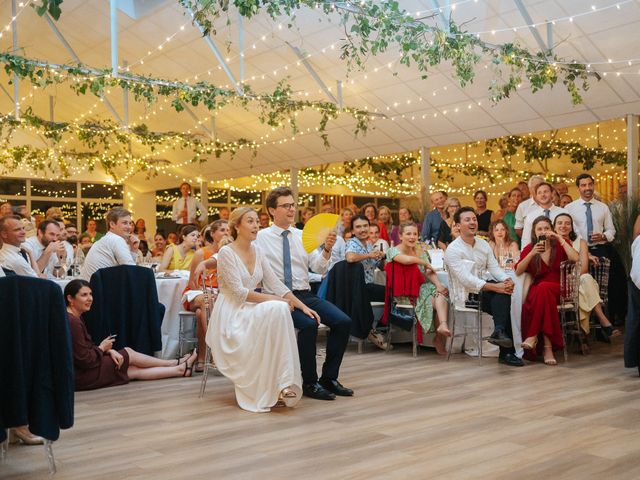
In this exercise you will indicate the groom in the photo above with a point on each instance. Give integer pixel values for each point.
(281, 245)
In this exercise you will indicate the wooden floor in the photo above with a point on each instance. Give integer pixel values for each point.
(410, 418)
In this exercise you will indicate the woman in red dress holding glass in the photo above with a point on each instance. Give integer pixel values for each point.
(542, 259)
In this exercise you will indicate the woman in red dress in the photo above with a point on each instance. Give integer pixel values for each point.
(542, 259)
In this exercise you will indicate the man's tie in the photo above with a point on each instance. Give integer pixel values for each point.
(185, 212)
(286, 260)
(547, 213)
(589, 221)
(25, 256)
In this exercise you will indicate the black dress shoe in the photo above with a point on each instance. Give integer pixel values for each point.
(336, 387)
(317, 391)
(500, 339)
(511, 359)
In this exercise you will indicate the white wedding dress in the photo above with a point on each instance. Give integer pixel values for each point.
(253, 344)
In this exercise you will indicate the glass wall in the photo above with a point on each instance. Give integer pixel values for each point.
(79, 201)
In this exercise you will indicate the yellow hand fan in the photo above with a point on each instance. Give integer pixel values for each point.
(316, 230)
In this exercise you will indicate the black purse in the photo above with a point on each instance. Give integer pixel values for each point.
(399, 317)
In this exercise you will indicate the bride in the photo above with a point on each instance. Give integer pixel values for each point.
(251, 334)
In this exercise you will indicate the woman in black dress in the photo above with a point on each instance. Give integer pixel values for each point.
(484, 215)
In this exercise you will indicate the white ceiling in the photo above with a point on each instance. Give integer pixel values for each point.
(432, 112)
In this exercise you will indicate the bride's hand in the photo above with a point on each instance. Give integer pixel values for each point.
(311, 313)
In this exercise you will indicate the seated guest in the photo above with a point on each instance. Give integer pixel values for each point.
(13, 255)
(264, 219)
(502, 203)
(63, 238)
(144, 249)
(172, 238)
(113, 249)
(503, 246)
(54, 213)
(360, 250)
(94, 235)
(513, 200)
(433, 219)
(343, 228)
(543, 207)
(251, 334)
(433, 294)
(542, 258)
(134, 246)
(386, 219)
(193, 296)
(140, 229)
(46, 247)
(496, 294)
(589, 299)
(307, 214)
(27, 220)
(102, 366)
(404, 216)
(159, 245)
(6, 209)
(451, 206)
(85, 243)
(178, 257)
(565, 200)
(370, 211)
(374, 239)
(484, 215)
(223, 214)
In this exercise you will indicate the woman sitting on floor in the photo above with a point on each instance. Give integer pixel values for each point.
(542, 259)
(251, 334)
(102, 366)
(433, 294)
(589, 291)
(178, 257)
(193, 296)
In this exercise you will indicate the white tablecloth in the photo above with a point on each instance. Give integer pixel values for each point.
(170, 295)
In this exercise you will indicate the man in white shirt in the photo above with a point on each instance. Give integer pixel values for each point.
(281, 245)
(592, 220)
(46, 247)
(185, 208)
(13, 256)
(496, 296)
(527, 203)
(113, 249)
(543, 193)
(68, 248)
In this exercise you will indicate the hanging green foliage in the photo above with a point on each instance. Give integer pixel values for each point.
(375, 27)
(276, 109)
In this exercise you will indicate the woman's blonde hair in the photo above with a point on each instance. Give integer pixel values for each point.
(234, 219)
(388, 210)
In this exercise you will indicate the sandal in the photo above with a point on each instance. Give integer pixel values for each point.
(530, 343)
(183, 359)
(609, 332)
(188, 367)
(286, 398)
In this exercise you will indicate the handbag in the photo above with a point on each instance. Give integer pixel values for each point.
(399, 317)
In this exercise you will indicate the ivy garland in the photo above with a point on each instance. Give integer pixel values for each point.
(373, 27)
(111, 141)
(276, 109)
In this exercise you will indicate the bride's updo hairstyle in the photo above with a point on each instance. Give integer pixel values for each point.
(234, 220)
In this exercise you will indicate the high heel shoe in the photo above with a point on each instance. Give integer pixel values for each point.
(552, 360)
(22, 434)
(530, 343)
(287, 398)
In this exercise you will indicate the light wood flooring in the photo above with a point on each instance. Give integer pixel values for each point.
(410, 419)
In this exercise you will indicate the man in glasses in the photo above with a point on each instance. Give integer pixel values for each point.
(281, 244)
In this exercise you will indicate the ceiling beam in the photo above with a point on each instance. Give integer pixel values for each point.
(444, 18)
(216, 52)
(313, 73)
(531, 24)
(68, 48)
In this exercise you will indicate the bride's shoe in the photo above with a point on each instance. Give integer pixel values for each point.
(530, 343)
(287, 398)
